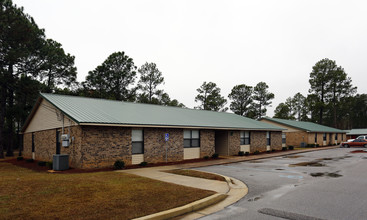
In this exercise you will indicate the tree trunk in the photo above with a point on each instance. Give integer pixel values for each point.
(322, 105)
(2, 117)
(9, 152)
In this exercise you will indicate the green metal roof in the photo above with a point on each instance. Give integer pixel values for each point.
(357, 131)
(100, 111)
(304, 125)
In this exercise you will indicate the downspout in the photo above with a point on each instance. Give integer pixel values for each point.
(62, 123)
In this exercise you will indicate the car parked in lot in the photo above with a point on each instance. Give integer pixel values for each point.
(355, 143)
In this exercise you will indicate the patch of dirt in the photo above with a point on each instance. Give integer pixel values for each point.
(308, 164)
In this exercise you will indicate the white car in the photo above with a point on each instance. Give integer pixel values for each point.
(362, 137)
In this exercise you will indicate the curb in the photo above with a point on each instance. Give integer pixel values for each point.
(191, 207)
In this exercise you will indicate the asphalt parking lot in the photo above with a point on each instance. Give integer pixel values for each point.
(327, 184)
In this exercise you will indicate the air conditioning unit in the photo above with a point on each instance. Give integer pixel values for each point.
(60, 162)
(303, 144)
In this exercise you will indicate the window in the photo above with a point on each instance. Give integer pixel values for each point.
(336, 137)
(245, 137)
(315, 137)
(283, 138)
(324, 137)
(268, 138)
(137, 137)
(191, 138)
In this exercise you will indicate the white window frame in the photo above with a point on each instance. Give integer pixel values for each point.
(137, 138)
(191, 138)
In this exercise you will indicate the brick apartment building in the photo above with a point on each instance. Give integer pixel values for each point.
(298, 133)
(98, 132)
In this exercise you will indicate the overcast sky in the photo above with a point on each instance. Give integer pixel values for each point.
(226, 42)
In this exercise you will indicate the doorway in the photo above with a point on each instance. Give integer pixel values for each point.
(221, 143)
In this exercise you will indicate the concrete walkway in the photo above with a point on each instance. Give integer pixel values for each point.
(228, 192)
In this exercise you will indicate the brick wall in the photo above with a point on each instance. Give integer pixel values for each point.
(155, 145)
(75, 149)
(234, 142)
(311, 138)
(207, 143)
(276, 140)
(296, 138)
(258, 141)
(102, 146)
(27, 145)
(45, 145)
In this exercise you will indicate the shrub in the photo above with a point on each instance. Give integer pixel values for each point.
(256, 152)
(272, 150)
(118, 165)
(290, 147)
(41, 163)
(215, 156)
(241, 153)
(143, 164)
(247, 153)
(49, 165)
(268, 151)
(284, 148)
(206, 157)
(20, 158)
(29, 160)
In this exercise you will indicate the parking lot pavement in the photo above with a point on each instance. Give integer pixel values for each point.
(328, 184)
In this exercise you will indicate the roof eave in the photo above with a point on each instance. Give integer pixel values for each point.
(307, 130)
(176, 126)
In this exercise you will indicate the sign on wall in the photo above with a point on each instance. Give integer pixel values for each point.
(166, 137)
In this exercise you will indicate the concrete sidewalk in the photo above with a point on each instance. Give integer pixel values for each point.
(228, 192)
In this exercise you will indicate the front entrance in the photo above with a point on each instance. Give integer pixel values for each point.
(221, 143)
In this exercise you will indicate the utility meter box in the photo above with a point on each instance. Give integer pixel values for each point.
(65, 140)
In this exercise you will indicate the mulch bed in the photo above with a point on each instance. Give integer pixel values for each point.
(358, 151)
(35, 167)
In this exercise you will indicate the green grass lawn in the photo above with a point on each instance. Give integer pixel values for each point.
(26, 194)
